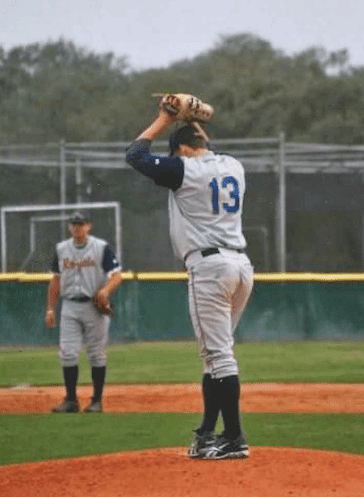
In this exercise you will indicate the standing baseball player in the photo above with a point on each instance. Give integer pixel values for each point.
(85, 274)
(205, 208)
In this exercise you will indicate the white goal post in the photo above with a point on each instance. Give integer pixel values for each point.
(62, 208)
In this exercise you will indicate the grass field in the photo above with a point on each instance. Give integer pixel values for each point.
(178, 362)
(37, 437)
(44, 436)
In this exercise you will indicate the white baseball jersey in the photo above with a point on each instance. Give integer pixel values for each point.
(83, 270)
(206, 210)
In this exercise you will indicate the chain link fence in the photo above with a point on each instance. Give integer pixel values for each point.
(303, 208)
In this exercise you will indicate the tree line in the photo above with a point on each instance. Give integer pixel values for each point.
(56, 90)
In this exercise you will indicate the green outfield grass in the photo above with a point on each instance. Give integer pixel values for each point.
(178, 362)
(39, 437)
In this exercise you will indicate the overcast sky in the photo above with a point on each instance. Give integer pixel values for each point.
(156, 33)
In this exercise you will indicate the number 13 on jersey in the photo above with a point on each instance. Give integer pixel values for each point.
(230, 184)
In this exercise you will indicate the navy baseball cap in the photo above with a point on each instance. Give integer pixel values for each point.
(80, 217)
(188, 135)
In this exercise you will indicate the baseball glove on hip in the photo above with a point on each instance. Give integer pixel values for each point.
(102, 304)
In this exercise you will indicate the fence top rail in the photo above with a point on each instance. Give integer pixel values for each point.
(23, 277)
(28, 146)
(50, 207)
(122, 144)
(315, 147)
(220, 141)
(165, 142)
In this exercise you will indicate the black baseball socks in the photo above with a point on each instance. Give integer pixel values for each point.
(221, 394)
(230, 409)
(211, 404)
(98, 378)
(70, 375)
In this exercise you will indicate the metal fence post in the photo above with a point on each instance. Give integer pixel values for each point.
(3, 242)
(62, 185)
(282, 256)
(79, 198)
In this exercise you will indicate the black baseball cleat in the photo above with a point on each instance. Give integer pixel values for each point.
(95, 406)
(67, 406)
(225, 448)
(200, 444)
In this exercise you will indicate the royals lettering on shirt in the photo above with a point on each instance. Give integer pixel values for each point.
(78, 263)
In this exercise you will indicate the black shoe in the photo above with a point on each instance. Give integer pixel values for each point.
(95, 406)
(228, 449)
(67, 406)
(201, 444)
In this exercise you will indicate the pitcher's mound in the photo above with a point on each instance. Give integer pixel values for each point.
(269, 472)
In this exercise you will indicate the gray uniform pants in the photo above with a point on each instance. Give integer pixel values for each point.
(82, 324)
(219, 288)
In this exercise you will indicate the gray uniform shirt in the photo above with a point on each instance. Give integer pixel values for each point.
(206, 210)
(83, 270)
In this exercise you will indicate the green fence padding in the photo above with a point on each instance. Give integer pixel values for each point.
(163, 310)
(153, 310)
(22, 308)
(22, 315)
(301, 311)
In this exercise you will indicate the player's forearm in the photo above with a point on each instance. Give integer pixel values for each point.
(53, 293)
(158, 126)
(112, 283)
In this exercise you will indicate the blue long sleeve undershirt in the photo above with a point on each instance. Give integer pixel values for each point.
(164, 171)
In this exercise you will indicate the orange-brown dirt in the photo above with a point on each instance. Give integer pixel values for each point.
(269, 472)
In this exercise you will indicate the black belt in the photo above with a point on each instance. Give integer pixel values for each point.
(80, 299)
(215, 250)
(209, 251)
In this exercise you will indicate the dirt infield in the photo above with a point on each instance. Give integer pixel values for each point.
(260, 397)
(273, 472)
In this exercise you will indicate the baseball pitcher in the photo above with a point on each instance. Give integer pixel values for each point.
(206, 192)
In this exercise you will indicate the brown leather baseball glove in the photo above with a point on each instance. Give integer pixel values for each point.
(185, 107)
(102, 304)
